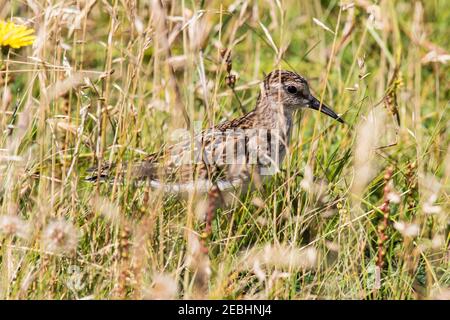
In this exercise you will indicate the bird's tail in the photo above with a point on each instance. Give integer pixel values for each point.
(104, 173)
(108, 172)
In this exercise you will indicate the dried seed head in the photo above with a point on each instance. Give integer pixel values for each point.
(429, 208)
(307, 182)
(440, 294)
(281, 256)
(376, 19)
(106, 208)
(434, 56)
(430, 189)
(12, 225)
(367, 140)
(200, 209)
(199, 263)
(195, 259)
(438, 241)
(333, 246)
(258, 202)
(258, 271)
(60, 236)
(410, 230)
(393, 197)
(261, 221)
(163, 287)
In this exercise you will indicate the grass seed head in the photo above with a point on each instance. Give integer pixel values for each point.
(281, 257)
(408, 230)
(13, 225)
(163, 287)
(60, 237)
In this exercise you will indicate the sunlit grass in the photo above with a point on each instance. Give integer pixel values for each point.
(109, 83)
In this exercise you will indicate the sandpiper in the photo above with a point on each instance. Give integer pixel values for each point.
(231, 154)
(228, 155)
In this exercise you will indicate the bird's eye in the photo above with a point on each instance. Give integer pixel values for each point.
(292, 89)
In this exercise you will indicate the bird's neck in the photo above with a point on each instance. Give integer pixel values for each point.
(273, 115)
(277, 119)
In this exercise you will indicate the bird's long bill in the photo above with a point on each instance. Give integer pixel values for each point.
(315, 104)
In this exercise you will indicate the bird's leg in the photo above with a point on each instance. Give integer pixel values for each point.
(213, 197)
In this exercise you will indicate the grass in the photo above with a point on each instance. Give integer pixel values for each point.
(112, 80)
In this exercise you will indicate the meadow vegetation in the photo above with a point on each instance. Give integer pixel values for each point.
(359, 211)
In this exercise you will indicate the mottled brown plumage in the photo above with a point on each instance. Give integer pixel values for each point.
(200, 162)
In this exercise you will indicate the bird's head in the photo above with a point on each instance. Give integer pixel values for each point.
(292, 91)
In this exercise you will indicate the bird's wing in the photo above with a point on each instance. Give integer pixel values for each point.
(201, 158)
(209, 157)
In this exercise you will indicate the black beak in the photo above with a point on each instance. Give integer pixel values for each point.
(315, 104)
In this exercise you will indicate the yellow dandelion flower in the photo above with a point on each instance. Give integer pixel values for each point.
(15, 36)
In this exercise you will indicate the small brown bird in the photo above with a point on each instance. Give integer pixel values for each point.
(229, 154)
